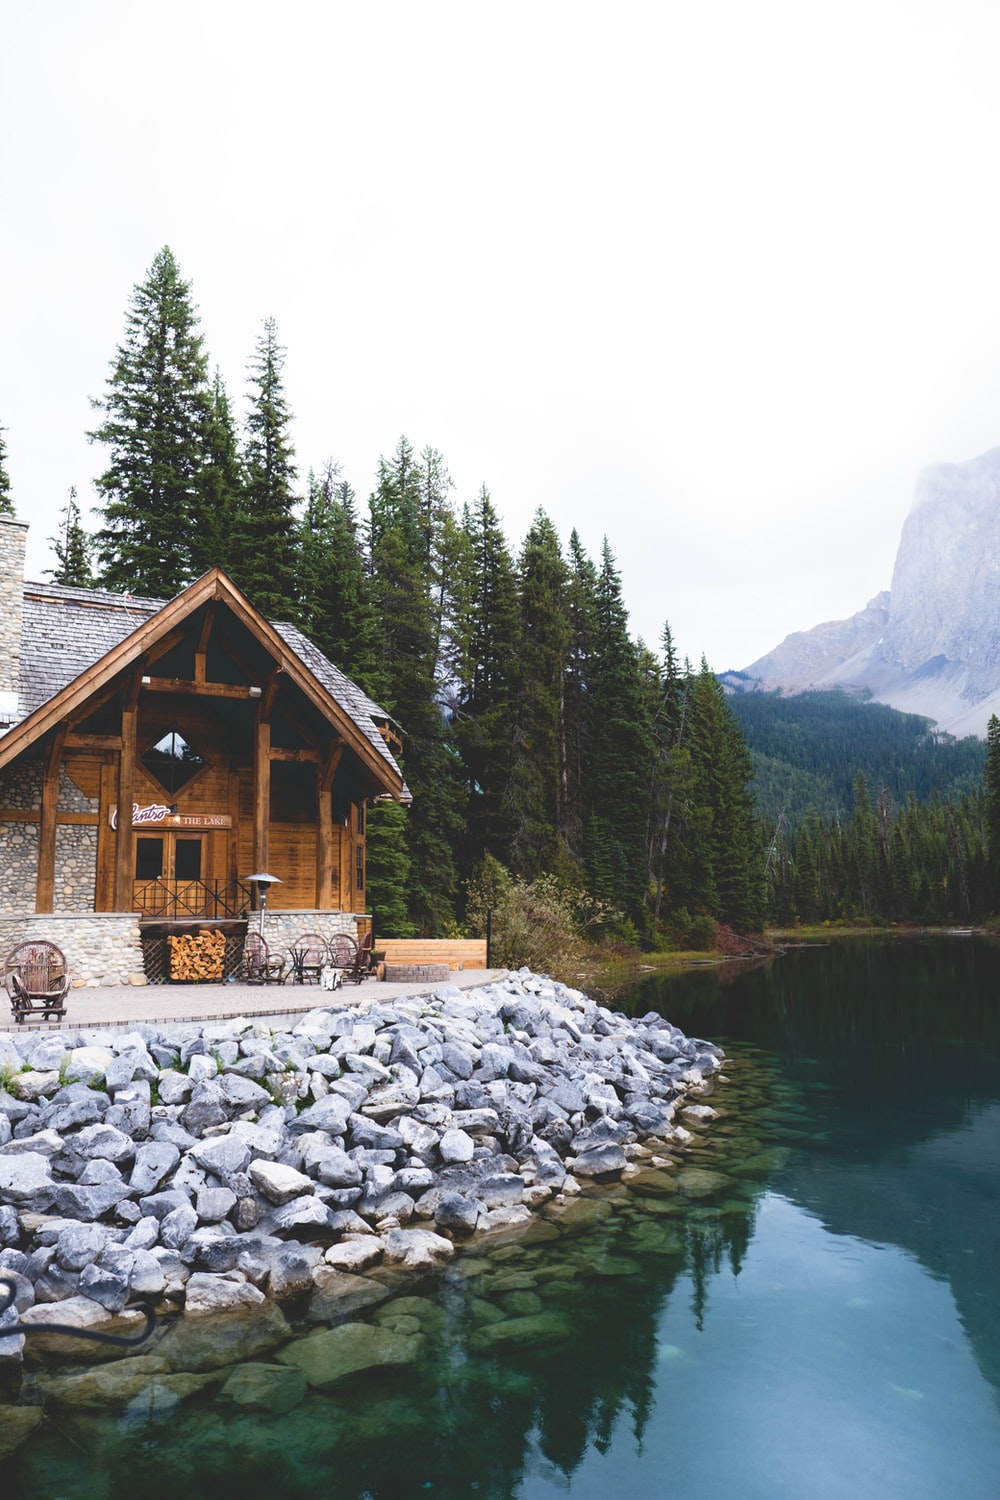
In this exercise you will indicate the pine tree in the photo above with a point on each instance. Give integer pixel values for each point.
(155, 407)
(620, 754)
(6, 503)
(533, 795)
(408, 681)
(488, 644)
(263, 560)
(730, 852)
(72, 548)
(991, 787)
(577, 714)
(220, 488)
(336, 605)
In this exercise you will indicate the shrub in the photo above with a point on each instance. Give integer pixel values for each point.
(539, 924)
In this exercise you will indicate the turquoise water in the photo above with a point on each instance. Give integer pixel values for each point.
(814, 1314)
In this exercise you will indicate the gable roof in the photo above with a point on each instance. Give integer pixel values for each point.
(74, 641)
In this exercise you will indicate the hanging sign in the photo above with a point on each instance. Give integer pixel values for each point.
(159, 812)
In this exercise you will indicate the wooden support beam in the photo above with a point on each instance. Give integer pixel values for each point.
(202, 646)
(46, 883)
(262, 777)
(187, 687)
(93, 741)
(301, 757)
(324, 828)
(124, 838)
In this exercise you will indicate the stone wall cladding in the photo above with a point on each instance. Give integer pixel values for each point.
(100, 947)
(281, 928)
(18, 867)
(104, 947)
(76, 867)
(71, 799)
(21, 786)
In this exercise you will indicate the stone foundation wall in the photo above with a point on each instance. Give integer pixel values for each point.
(100, 947)
(105, 948)
(281, 928)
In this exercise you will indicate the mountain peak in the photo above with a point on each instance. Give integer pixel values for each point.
(931, 644)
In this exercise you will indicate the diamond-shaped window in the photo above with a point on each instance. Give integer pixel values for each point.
(172, 761)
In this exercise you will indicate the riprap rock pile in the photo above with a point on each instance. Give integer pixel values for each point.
(215, 1166)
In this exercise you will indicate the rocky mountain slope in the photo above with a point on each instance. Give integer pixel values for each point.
(931, 645)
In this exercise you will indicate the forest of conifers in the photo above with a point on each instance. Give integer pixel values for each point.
(539, 738)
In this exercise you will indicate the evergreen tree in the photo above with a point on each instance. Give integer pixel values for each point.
(533, 795)
(408, 681)
(72, 548)
(620, 754)
(991, 787)
(6, 503)
(731, 851)
(263, 560)
(577, 714)
(387, 862)
(336, 605)
(220, 488)
(155, 407)
(676, 823)
(488, 644)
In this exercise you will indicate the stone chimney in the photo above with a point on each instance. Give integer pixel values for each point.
(13, 536)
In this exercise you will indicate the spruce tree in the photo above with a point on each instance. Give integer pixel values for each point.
(264, 531)
(991, 788)
(577, 716)
(72, 548)
(620, 754)
(730, 847)
(533, 795)
(6, 503)
(155, 408)
(336, 605)
(481, 725)
(403, 544)
(220, 488)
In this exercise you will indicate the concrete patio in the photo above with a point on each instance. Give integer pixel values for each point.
(121, 1007)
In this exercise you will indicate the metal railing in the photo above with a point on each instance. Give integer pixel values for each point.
(191, 898)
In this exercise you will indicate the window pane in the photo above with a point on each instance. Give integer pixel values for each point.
(148, 859)
(187, 859)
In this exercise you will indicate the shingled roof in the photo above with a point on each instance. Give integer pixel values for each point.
(65, 631)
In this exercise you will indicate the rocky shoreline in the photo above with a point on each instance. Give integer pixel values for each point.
(228, 1168)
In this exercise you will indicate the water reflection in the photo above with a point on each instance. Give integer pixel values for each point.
(804, 1305)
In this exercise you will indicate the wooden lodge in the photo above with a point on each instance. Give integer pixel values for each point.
(154, 755)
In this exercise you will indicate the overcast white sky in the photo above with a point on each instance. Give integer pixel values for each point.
(716, 279)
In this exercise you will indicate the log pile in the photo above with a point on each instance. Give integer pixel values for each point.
(198, 956)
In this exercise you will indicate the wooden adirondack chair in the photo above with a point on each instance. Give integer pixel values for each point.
(36, 978)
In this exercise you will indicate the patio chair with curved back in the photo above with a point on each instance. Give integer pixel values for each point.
(310, 955)
(36, 978)
(343, 953)
(259, 965)
(364, 965)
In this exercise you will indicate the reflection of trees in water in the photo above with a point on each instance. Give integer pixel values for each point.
(453, 1422)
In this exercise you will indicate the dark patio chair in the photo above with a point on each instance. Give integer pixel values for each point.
(36, 978)
(260, 966)
(364, 965)
(343, 953)
(309, 955)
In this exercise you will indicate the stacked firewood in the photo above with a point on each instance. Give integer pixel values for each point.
(198, 956)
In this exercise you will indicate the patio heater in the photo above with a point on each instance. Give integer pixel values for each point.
(262, 882)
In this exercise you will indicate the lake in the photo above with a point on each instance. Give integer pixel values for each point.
(811, 1310)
